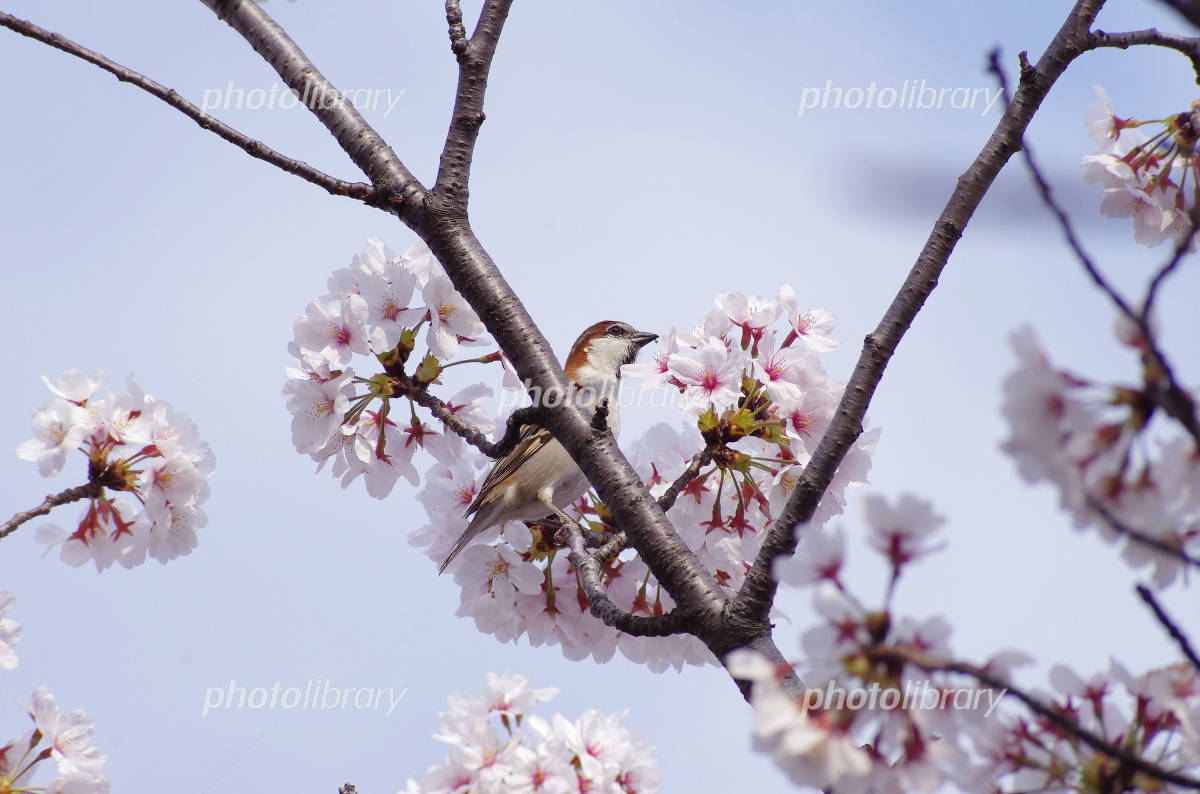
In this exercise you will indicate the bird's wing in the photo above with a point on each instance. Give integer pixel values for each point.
(532, 439)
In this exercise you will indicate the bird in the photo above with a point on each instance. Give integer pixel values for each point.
(538, 478)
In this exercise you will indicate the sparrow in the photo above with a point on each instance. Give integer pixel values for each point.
(538, 478)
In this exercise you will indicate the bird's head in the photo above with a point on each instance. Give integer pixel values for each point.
(599, 352)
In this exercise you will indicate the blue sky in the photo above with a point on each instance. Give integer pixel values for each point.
(637, 158)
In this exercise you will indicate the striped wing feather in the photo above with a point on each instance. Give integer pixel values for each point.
(533, 438)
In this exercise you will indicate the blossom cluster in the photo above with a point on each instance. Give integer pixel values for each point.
(65, 738)
(1155, 716)
(755, 393)
(747, 380)
(892, 744)
(1098, 445)
(957, 733)
(136, 446)
(1145, 176)
(498, 745)
(376, 308)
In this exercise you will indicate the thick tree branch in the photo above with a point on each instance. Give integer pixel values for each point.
(440, 219)
(620, 541)
(476, 277)
(753, 602)
(1164, 619)
(1098, 743)
(252, 147)
(359, 140)
(86, 491)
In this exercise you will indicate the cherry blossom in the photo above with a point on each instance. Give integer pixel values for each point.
(497, 746)
(1144, 176)
(712, 379)
(902, 533)
(812, 327)
(451, 317)
(135, 446)
(10, 631)
(1102, 449)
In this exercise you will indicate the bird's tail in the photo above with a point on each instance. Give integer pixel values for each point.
(479, 523)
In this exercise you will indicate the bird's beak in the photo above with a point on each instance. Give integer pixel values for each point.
(642, 338)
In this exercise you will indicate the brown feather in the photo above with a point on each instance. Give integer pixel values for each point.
(578, 355)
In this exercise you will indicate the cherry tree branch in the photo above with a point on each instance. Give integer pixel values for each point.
(252, 147)
(1169, 395)
(86, 491)
(356, 137)
(439, 218)
(1164, 619)
(474, 56)
(1171, 265)
(1138, 536)
(1189, 46)
(473, 435)
(931, 664)
(753, 602)
(701, 459)
(445, 228)
(458, 34)
(600, 605)
(618, 542)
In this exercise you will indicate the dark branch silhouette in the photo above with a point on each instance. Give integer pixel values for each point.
(931, 664)
(85, 491)
(252, 147)
(1164, 619)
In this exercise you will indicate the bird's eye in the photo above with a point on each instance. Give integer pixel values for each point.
(615, 330)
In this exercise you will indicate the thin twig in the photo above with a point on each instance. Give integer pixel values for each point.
(252, 147)
(365, 147)
(1098, 743)
(1064, 220)
(1138, 536)
(1176, 633)
(600, 605)
(1171, 397)
(86, 491)
(517, 420)
(1182, 248)
(698, 461)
